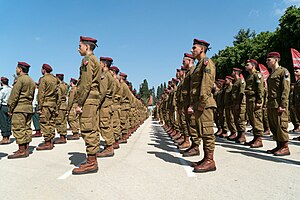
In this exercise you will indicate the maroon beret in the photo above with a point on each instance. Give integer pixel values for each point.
(230, 77)
(88, 39)
(237, 69)
(115, 69)
(201, 42)
(178, 70)
(273, 55)
(297, 67)
(221, 80)
(188, 55)
(175, 80)
(252, 61)
(61, 75)
(47, 67)
(123, 75)
(24, 64)
(106, 58)
(4, 78)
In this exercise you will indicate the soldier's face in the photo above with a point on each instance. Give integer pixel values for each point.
(18, 71)
(297, 72)
(248, 67)
(271, 62)
(196, 50)
(82, 49)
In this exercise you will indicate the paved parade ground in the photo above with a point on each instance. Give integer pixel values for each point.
(149, 166)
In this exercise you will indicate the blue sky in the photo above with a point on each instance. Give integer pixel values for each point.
(146, 38)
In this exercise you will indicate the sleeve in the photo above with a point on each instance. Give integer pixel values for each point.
(71, 99)
(241, 91)
(207, 83)
(285, 89)
(85, 81)
(59, 95)
(259, 88)
(41, 93)
(14, 96)
(103, 88)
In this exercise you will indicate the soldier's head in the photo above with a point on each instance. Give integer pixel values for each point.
(199, 48)
(123, 76)
(297, 71)
(251, 65)
(22, 68)
(229, 80)
(236, 72)
(73, 82)
(4, 81)
(273, 59)
(60, 77)
(46, 68)
(105, 63)
(114, 70)
(86, 45)
(188, 60)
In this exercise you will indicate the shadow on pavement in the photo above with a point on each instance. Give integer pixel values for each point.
(31, 148)
(77, 158)
(171, 159)
(2, 155)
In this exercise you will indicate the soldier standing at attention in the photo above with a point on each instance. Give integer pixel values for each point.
(106, 101)
(35, 117)
(278, 94)
(88, 101)
(71, 113)
(296, 98)
(47, 98)
(20, 107)
(203, 104)
(5, 119)
(254, 99)
(228, 105)
(61, 120)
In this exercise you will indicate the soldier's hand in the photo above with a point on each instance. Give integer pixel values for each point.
(190, 110)
(200, 108)
(9, 113)
(281, 109)
(39, 112)
(78, 109)
(258, 105)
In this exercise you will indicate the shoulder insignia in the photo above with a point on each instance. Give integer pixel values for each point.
(259, 75)
(86, 62)
(205, 61)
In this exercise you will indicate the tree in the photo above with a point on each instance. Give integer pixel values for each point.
(144, 92)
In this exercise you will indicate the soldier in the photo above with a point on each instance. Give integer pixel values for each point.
(47, 98)
(116, 107)
(202, 104)
(222, 132)
(71, 113)
(254, 96)
(61, 119)
(278, 93)
(292, 109)
(296, 98)
(239, 106)
(20, 107)
(35, 117)
(5, 119)
(105, 114)
(88, 101)
(228, 105)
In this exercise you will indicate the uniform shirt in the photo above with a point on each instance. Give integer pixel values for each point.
(47, 93)
(238, 91)
(4, 95)
(295, 100)
(255, 88)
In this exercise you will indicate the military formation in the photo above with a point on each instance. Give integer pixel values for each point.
(194, 100)
(101, 102)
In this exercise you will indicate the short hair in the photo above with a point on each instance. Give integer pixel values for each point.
(5, 82)
(60, 78)
(24, 69)
(91, 44)
(107, 62)
(74, 81)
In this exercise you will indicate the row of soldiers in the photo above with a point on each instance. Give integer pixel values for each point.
(183, 105)
(102, 102)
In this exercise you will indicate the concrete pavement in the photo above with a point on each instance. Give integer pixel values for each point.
(149, 166)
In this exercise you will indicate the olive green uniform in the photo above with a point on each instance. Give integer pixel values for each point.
(87, 97)
(295, 100)
(228, 108)
(221, 110)
(125, 106)
(72, 115)
(20, 105)
(180, 110)
(61, 119)
(239, 104)
(278, 94)
(116, 109)
(47, 104)
(202, 81)
(254, 95)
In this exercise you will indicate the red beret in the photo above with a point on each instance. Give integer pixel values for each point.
(114, 68)
(24, 64)
(237, 69)
(201, 42)
(297, 67)
(73, 79)
(178, 70)
(123, 75)
(62, 75)
(88, 39)
(188, 55)
(106, 58)
(175, 80)
(47, 67)
(169, 82)
(252, 61)
(220, 80)
(273, 55)
(4, 78)
(230, 77)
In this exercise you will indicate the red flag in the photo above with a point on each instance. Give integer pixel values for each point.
(264, 71)
(296, 57)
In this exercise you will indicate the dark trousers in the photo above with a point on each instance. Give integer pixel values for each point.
(5, 121)
(36, 120)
